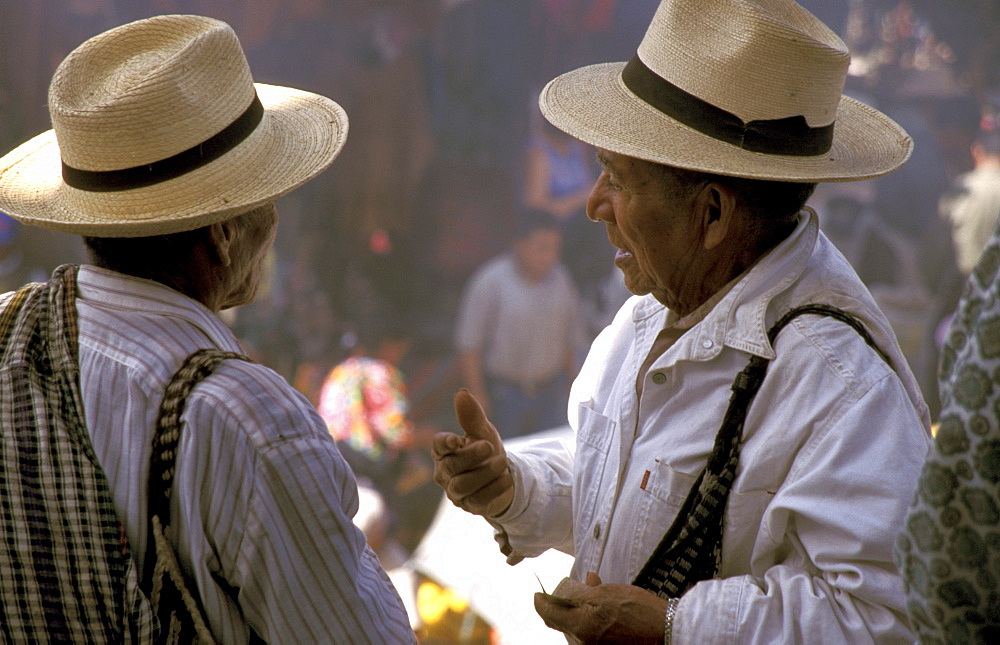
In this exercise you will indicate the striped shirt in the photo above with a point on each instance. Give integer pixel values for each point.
(262, 498)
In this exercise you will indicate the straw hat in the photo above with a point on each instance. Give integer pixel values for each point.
(749, 88)
(159, 128)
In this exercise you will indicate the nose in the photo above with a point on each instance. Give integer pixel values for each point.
(598, 205)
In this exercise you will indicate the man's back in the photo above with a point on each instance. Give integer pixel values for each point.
(262, 499)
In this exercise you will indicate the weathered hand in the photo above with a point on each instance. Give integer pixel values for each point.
(472, 469)
(604, 613)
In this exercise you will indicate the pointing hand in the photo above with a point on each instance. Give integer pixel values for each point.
(472, 469)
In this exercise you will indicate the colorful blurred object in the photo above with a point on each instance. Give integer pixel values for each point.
(364, 404)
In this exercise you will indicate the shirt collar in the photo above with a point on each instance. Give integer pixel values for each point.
(737, 318)
(112, 290)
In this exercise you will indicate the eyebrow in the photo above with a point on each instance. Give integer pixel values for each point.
(604, 161)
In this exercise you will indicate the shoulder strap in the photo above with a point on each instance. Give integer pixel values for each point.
(691, 549)
(832, 312)
(67, 571)
(174, 598)
(192, 371)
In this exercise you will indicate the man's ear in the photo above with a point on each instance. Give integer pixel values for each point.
(716, 205)
(221, 235)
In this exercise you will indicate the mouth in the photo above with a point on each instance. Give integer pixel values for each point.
(621, 255)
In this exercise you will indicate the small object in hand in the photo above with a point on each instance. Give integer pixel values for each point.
(556, 600)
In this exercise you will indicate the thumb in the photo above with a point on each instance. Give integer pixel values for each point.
(473, 420)
(593, 579)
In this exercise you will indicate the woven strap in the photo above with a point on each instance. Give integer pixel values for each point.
(692, 549)
(174, 599)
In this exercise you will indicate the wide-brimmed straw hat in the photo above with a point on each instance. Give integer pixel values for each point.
(748, 88)
(159, 128)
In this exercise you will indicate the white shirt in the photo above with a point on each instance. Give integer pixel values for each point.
(832, 449)
(261, 496)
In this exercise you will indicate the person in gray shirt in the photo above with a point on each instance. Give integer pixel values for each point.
(519, 330)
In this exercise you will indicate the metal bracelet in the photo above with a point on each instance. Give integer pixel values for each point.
(668, 626)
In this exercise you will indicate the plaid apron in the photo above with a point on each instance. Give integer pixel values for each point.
(66, 573)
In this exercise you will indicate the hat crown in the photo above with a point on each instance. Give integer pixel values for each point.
(148, 90)
(758, 59)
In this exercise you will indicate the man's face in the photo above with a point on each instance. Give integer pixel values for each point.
(257, 231)
(650, 222)
(539, 252)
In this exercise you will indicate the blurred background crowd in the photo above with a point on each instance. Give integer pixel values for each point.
(448, 156)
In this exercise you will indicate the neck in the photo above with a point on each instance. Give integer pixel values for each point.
(725, 263)
(197, 278)
(195, 289)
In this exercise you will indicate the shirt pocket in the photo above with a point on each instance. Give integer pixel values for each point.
(665, 492)
(593, 443)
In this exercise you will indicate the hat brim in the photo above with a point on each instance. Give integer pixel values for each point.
(299, 136)
(593, 105)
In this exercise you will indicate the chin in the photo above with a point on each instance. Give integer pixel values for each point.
(637, 288)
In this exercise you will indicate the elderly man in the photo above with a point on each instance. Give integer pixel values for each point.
(697, 513)
(167, 158)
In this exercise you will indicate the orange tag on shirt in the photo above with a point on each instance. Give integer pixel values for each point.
(645, 478)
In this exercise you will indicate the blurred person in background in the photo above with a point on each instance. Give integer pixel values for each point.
(691, 518)
(559, 172)
(364, 404)
(167, 158)
(968, 213)
(518, 330)
(972, 207)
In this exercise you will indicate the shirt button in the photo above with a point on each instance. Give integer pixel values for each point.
(597, 531)
(707, 344)
(659, 378)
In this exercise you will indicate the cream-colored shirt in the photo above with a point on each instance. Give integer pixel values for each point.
(832, 449)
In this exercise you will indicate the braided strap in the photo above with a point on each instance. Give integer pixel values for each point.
(692, 549)
(174, 599)
(195, 368)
